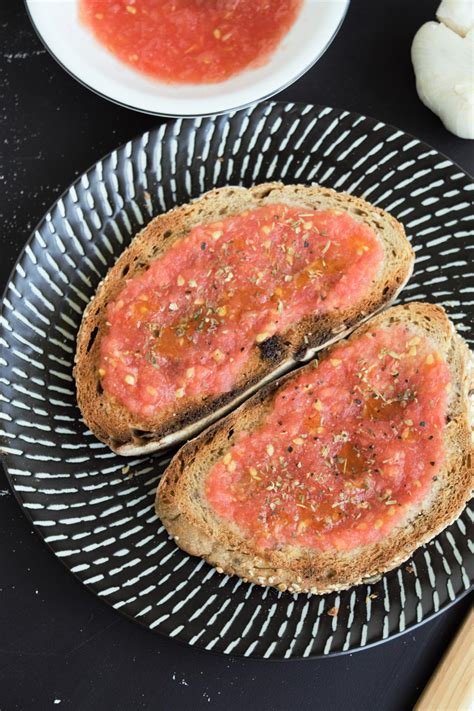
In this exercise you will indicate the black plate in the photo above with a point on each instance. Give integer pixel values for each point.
(95, 509)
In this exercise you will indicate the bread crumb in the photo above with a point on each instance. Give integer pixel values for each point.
(333, 612)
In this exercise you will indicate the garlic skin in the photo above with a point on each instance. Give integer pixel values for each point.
(458, 15)
(444, 69)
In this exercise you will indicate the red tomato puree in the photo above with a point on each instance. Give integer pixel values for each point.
(190, 41)
(347, 448)
(187, 325)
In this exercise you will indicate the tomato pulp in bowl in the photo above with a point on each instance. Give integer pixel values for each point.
(190, 41)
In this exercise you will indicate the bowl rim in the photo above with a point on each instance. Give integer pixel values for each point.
(345, 7)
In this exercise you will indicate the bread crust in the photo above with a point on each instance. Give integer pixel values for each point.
(197, 530)
(130, 434)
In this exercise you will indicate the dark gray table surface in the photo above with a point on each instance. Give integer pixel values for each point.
(59, 645)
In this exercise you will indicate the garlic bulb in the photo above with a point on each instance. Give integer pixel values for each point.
(458, 15)
(443, 61)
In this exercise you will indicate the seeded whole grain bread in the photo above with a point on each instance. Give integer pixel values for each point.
(130, 434)
(182, 507)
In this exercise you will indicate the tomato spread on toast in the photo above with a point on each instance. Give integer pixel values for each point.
(346, 449)
(188, 324)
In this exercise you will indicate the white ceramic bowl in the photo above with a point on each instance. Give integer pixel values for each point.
(75, 48)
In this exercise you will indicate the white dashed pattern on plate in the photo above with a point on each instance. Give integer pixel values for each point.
(94, 508)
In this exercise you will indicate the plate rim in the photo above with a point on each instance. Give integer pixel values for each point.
(38, 530)
(216, 652)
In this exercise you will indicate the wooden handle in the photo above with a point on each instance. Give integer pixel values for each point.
(451, 688)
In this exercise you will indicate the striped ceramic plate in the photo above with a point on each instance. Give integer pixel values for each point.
(95, 509)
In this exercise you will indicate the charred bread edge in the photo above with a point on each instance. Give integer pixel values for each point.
(193, 429)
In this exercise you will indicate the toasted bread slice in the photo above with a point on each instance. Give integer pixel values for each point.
(184, 508)
(130, 434)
